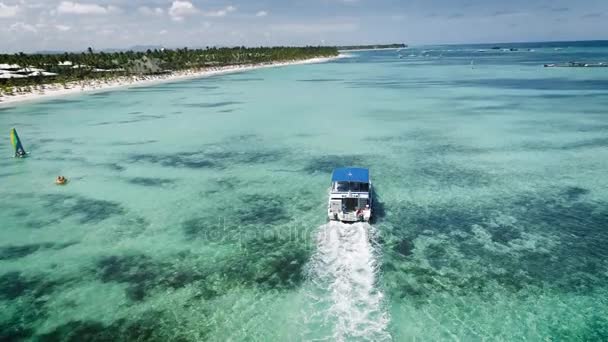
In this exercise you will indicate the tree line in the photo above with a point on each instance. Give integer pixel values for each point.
(90, 64)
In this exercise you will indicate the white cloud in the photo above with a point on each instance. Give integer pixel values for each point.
(7, 11)
(261, 14)
(162, 32)
(180, 9)
(70, 7)
(62, 28)
(220, 13)
(296, 28)
(145, 10)
(23, 27)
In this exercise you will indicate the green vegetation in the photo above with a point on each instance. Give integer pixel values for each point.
(370, 47)
(76, 67)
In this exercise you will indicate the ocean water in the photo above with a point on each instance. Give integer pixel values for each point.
(197, 210)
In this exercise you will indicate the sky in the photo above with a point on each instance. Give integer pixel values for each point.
(52, 25)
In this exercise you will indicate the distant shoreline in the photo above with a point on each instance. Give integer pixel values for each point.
(90, 86)
(378, 49)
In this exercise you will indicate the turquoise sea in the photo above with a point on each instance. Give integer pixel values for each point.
(196, 210)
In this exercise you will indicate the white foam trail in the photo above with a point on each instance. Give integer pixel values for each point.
(343, 273)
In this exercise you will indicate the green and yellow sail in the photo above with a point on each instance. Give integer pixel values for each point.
(16, 142)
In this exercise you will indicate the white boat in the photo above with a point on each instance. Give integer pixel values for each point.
(350, 196)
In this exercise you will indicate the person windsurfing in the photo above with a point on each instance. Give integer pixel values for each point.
(16, 142)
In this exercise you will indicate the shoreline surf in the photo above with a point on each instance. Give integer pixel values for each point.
(55, 90)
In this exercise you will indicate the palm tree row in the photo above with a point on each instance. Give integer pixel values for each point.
(91, 64)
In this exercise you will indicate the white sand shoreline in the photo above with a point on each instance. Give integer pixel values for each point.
(90, 86)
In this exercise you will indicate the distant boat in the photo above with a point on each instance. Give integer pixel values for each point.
(576, 65)
(16, 142)
(350, 196)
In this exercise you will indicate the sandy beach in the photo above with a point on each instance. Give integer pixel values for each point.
(88, 86)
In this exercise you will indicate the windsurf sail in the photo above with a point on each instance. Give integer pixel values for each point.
(16, 142)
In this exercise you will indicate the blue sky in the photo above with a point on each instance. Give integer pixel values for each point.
(32, 25)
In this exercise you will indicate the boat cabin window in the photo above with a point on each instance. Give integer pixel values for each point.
(351, 186)
(341, 186)
(350, 204)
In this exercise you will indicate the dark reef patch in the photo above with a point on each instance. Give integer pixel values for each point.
(104, 93)
(204, 159)
(404, 247)
(61, 102)
(576, 145)
(8, 174)
(17, 252)
(212, 104)
(536, 84)
(394, 83)
(446, 174)
(15, 284)
(326, 164)
(6, 109)
(174, 160)
(49, 140)
(269, 263)
(138, 118)
(262, 209)
(114, 166)
(39, 224)
(567, 256)
(207, 228)
(573, 193)
(251, 210)
(231, 78)
(146, 181)
(14, 331)
(145, 328)
(322, 80)
(88, 210)
(144, 274)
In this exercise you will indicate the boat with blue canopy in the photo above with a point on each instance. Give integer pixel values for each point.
(350, 196)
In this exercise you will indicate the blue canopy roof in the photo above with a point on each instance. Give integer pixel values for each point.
(350, 174)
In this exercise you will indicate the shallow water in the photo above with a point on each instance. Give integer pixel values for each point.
(196, 210)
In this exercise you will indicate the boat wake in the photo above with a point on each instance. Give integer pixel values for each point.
(343, 290)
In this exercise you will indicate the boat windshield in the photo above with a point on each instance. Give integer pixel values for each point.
(351, 186)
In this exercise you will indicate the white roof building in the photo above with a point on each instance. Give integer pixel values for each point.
(8, 76)
(29, 69)
(9, 66)
(41, 73)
